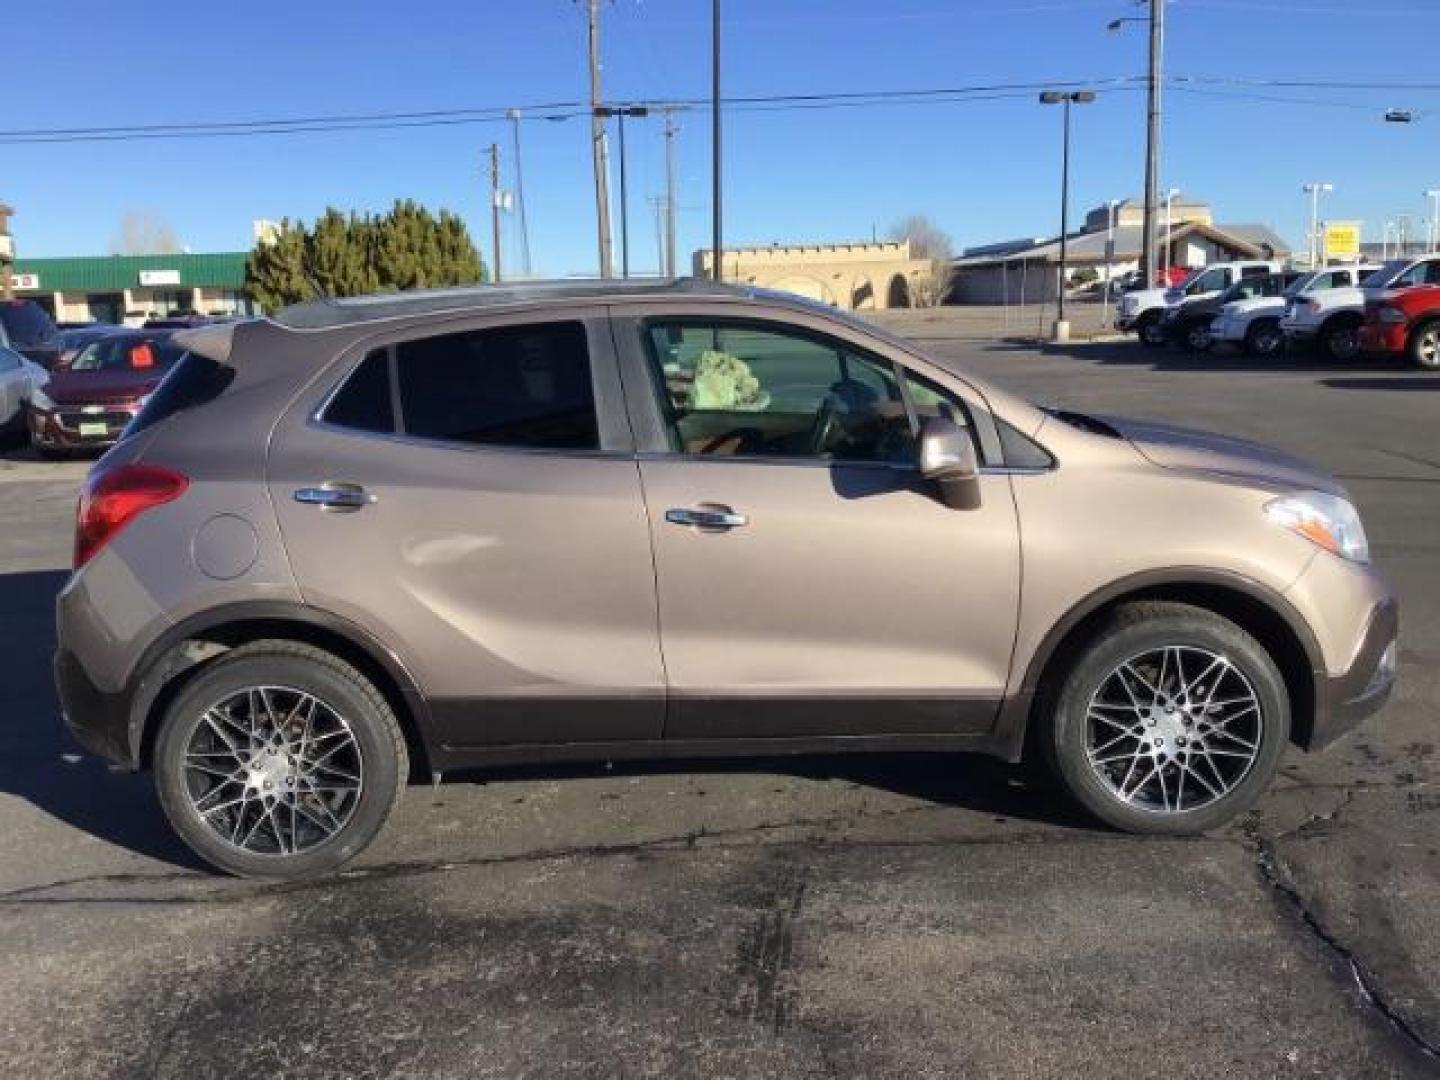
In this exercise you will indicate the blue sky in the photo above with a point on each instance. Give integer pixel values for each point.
(985, 170)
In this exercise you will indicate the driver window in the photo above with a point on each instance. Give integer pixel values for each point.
(742, 390)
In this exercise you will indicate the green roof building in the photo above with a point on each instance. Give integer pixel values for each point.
(132, 288)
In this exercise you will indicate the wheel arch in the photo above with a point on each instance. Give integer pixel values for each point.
(180, 653)
(1260, 611)
(1346, 317)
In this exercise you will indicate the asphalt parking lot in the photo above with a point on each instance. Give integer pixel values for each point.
(841, 917)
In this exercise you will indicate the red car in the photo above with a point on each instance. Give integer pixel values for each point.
(1405, 322)
(88, 401)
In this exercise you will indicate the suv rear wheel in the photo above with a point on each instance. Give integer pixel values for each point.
(1172, 721)
(280, 761)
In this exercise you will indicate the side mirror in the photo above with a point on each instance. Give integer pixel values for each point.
(947, 460)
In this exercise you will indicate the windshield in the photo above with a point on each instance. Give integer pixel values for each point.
(1388, 272)
(26, 323)
(143, 355)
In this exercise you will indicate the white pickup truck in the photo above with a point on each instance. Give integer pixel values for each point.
(1144, 310)
(1254, 324)
(1332, 319)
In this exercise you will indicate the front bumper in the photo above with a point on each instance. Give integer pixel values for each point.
(79, 427)
(1343, 702)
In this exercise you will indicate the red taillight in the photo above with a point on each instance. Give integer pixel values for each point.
(114, 498)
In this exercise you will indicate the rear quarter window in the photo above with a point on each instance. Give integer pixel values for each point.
(192, 382)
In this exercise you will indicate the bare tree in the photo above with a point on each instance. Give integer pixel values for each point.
(929, 242)
(144, 232)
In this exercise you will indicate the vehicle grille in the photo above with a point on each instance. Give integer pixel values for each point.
(113, 418)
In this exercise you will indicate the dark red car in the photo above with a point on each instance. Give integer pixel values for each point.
(89, 400)
(1404, 322)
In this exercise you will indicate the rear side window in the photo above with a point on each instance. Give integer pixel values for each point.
(194, 380)
(520, 386)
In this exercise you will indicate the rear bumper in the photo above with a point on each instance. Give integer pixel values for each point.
(1343, 702)
(99, 722)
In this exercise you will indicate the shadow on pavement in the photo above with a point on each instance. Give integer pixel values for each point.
(972, 782)
(39, 761)
(1423, 382)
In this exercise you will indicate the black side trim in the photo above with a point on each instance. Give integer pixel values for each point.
(736, 718)
(658, 749)
(1010, 730)
(462, 723)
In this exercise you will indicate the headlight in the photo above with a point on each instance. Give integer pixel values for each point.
(41, 400)
(1326, 520)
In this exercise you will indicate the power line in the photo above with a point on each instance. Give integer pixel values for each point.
(498, 114)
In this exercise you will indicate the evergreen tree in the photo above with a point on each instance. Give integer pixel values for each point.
(341, 254)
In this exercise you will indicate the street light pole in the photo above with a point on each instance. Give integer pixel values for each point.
(1315, 190)
(621, 112)
(1166, 259)
(514, 115)
(1154, 87)
(1434, 196)
(717, 246)
(1066, 98)
(1109, 259)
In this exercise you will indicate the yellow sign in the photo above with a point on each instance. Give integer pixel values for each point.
(1342, 240)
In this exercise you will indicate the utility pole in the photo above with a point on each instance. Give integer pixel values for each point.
(514, 115)
(1065, 98)
(495, 212)
(717, 244)
(1152, 140)
(669, 255)
(599, 149)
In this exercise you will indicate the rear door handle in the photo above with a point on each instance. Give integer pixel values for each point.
(720, 517)
(335, 495)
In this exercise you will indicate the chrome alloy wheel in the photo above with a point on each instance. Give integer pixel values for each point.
(1427, 347)
(273, 771)
(1173, 729)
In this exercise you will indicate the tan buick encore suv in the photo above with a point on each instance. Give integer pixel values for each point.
(582, 521)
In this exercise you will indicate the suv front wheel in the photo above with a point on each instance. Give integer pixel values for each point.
(279, 760)
(1172, 721)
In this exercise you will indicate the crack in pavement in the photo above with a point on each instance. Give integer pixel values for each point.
(1275, 875)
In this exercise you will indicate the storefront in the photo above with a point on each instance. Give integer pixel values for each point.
(133, 288)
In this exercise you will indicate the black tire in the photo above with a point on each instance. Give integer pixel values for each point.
(1151, 330)
(380, 758)
(1423, 347)
(1137, 630)
(1195, 335)
(1265, 338)
(1339, 338)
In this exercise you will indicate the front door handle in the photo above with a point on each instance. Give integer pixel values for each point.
(707, 517)
(335, 495)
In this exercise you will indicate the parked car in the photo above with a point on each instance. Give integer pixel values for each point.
(1189, 323)
(1332, 319)
(1254, 324)
(462, 527)
(72, 341)
(1404, 323)
(20, 379)
(1143, 310)
(28, 329)
(89, 401)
